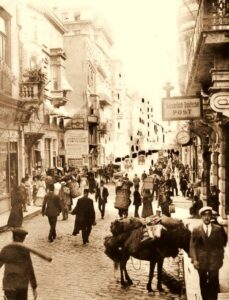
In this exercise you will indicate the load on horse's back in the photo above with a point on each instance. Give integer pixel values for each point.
(151, 239)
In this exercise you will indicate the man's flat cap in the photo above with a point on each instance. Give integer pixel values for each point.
(20, 231)
(204, 209)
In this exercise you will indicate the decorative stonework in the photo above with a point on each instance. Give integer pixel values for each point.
(219, 102)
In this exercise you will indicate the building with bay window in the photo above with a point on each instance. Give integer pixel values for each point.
(33, 91)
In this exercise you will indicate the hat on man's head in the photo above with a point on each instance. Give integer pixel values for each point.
(204, 209)
(19, 231)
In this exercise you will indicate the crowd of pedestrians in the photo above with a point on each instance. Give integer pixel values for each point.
(55, 191)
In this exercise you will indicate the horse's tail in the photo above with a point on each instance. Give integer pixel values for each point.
(116, 265)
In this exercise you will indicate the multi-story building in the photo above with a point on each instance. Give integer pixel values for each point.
(32, 90)
(88, 44)
(204, 32)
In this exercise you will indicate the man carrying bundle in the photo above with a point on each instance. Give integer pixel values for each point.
(18, 269)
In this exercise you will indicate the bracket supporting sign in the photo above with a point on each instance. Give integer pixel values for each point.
(181, 108)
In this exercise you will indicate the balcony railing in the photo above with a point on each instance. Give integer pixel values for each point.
(209, 20)
(29, 91)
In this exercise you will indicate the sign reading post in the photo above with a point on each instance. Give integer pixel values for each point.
(180, 108)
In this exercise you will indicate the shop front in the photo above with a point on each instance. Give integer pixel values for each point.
(8, 172)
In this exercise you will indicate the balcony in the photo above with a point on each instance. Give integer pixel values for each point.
(58, 98)
(210, 33)
(29, 91)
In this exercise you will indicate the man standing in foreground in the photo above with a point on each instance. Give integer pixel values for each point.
(101, 195)
(207, 253)
(18, 269)
(51, 208)
(85, 216)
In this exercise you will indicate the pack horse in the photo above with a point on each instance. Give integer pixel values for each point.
(128, 240)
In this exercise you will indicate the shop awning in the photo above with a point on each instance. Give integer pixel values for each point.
(65, 85)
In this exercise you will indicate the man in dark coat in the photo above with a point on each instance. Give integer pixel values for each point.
(85, 216)
(18, 269)
(137, 201)
(51, 208)
(207, 253)
(101, 195)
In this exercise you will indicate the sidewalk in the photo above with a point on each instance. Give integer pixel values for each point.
(32, 211)
(190, 274)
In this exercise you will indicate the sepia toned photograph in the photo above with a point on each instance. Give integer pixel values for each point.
(114, 142)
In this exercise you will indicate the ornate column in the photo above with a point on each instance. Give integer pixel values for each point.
(222, 180)
(214, 177)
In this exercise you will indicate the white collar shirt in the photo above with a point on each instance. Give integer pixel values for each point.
(207, 228)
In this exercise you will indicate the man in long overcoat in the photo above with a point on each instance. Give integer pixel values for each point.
(51, 208)
(85, 216)
(207, 253)
(101, 195)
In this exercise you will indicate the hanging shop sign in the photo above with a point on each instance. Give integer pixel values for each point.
(180, 108)
(78, 123)
(183, 137)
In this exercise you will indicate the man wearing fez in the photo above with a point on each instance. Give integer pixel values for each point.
(18, 268)
(207, 253)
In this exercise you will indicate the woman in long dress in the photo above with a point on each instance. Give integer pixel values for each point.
(41, 191)
(16, 214)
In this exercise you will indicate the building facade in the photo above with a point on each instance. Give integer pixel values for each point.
(88, 43)
(32, 90)
(205, 73)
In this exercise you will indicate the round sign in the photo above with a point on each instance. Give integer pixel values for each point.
(183, 137)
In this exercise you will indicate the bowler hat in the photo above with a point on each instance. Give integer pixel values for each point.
(19, 231)
(204, 209)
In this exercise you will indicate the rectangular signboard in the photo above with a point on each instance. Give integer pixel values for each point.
(76, 143)
(181, 108)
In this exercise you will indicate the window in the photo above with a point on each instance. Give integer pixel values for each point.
(2, 39)
(55, 77)
(118, 96)
(143, 100)
(118, 125)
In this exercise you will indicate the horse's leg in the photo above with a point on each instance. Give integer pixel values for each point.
(151, 272)
(129, 281)
(159, 275)
(121, 273)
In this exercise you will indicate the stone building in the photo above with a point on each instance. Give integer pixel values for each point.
(204, 39)
(32, 90)
(88, 44)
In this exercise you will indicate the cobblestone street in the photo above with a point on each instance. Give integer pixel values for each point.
(80, 271)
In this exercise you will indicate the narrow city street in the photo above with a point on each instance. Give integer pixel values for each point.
(80, 271)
